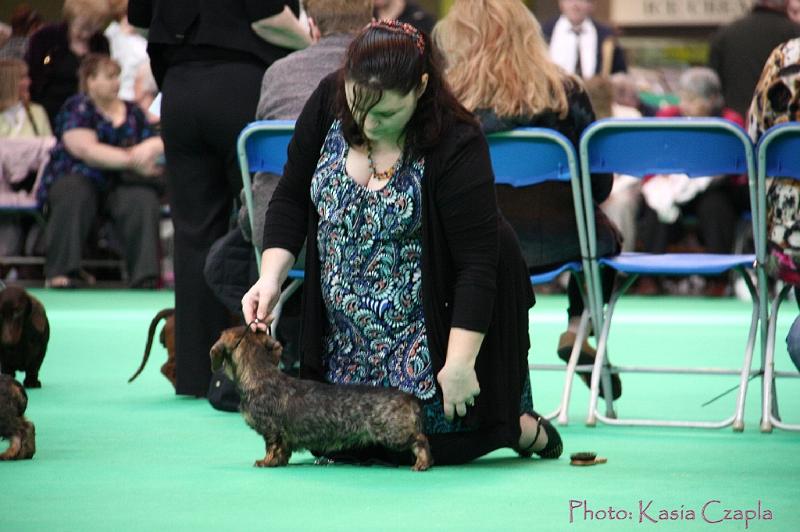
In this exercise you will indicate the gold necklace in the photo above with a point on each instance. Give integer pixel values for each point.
(386, 174)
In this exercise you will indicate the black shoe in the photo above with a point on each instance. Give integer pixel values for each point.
(554, 446)
(586, 358)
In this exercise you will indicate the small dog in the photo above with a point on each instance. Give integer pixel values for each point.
(167, 339)
(293, 414)
(13, 425)
(24, 334)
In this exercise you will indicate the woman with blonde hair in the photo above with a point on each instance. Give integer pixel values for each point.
(25, 141)
(497, 64)
(19, 117)
(55, 51)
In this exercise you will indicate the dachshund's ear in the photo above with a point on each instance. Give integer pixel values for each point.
(218, 352)
(38, 317)
(273, 347)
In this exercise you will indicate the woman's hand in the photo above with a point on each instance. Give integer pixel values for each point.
(459, 388)
(457, 378)
(260, 301)
(146, 156)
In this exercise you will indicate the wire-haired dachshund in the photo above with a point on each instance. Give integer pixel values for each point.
(293, 414)
(24, 333)
(13, 426)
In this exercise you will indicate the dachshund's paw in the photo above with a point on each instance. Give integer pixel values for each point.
(13, 449)
(32, 383)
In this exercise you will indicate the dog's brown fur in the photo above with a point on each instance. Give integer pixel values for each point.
(293, 414)
(167, 339)
(13, 426)
(24, 333)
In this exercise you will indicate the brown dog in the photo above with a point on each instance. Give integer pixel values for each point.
(167, 339)
(13, 425)
(24, 333)
(293, 414)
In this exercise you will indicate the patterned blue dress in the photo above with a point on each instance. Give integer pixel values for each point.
(370, 253)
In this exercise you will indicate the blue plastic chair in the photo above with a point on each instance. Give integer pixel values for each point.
(262, 147)
(692, 146)
(529, 156)
(778, 156)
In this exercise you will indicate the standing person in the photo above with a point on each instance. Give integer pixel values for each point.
(498, 67)
(208, 58)
(738, 50)
(56, 50)
(106, 162)
(777, 101)
(128, 48)
(405, 11)
(581, 45)
(413, 280)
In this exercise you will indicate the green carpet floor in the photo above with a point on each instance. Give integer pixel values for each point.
(118, 456)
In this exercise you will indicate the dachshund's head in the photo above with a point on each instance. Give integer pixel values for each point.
(15, 310)
(245, 355)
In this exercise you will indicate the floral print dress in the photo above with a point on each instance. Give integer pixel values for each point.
(370, 252)
(370, 258)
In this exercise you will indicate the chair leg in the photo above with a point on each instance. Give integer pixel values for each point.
(769, 405)
(747, 364)
(583, 330)
(600, 368)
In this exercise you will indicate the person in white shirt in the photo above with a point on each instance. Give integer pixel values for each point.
(581, 45)
(127, 47)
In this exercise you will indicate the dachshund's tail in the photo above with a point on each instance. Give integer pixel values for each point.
(151, 332)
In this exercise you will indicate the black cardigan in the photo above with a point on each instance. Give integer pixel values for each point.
(473, 274)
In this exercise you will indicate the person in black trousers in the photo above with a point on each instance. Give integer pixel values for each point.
(208, 59)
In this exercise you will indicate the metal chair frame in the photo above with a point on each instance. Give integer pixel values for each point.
(261, 147)
(696, 147)
(779, 156)
(529, 156)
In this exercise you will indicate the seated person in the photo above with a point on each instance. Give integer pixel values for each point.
(717, 201)
(107, 161)
(25, 141)
(508, 82)
(781, 77)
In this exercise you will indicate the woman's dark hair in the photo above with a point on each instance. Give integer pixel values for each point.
(386, 56)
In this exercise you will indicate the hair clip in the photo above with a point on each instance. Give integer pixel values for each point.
(404, 27)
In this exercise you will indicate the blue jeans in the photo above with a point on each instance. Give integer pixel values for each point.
(793, 342)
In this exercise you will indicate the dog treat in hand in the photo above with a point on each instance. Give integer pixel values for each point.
(293, 414)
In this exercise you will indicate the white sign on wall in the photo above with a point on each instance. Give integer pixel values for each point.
(677, 12)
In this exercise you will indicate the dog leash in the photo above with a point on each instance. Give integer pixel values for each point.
(256, 321)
